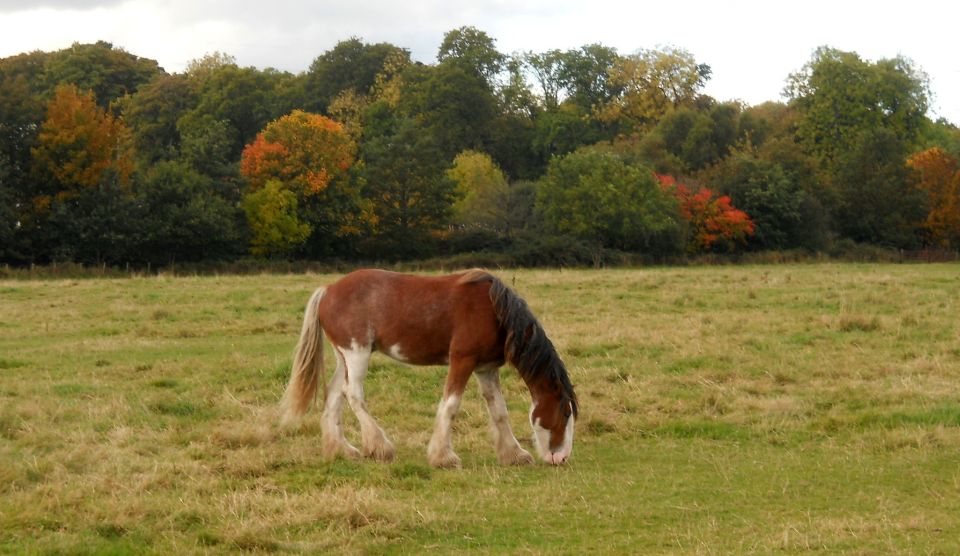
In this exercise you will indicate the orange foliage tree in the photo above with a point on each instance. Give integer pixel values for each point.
(308, 156)
(936, 173)
(714, 224)
(303, 151)
(80, 145)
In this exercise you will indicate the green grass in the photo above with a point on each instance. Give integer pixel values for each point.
(755, 409)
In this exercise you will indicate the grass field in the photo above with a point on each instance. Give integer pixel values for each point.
(762, 409)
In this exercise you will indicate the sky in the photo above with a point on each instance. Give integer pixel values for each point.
(752, 46)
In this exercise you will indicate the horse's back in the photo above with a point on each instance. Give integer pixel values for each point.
(417, 319)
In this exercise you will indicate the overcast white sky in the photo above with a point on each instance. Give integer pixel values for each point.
(752, 45)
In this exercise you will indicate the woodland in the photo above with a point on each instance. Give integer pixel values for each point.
(527, 158)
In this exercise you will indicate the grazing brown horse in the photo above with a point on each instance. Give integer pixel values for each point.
(470, 320)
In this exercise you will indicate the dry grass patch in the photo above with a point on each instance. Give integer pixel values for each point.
(724, 410)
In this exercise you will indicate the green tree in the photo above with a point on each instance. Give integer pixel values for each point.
(207, 145)
(474, 50)
(241, 97)
(184, 217)
(404, 175)
(109, 72)
(839, 96)
(350, 65)
(152, 114)
(21, 115)
(558, 132)
(455, 105)
(784, 214)
(96, 225)
(548, 72)
(694, 139)
(876, 201)
(585, 74)
(596, 197)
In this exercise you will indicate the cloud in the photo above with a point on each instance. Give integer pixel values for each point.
(12, 6)
(751, 48)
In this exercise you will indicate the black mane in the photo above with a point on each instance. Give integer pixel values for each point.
(527, 346)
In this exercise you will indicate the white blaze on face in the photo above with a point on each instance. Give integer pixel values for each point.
(541, 440)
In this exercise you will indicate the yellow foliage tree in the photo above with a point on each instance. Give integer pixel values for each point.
(482, 191)
(272, 215)
(653, 82)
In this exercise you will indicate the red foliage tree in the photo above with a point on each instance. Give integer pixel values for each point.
(714, 223)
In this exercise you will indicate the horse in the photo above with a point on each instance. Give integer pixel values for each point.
(470, 321)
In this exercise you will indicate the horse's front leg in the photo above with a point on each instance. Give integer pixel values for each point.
(509, 451)
(440, 450)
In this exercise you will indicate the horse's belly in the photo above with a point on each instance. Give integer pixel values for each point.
(416, 344)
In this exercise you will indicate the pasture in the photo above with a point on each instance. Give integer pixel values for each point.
(793, 408)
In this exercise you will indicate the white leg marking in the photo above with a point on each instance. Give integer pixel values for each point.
(509, 451)
(331, 423)
(375, 442)
(440, 450)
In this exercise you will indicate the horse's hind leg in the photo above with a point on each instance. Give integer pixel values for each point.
(440, 450)
(375, 442)
(331, 423)
(509, 451)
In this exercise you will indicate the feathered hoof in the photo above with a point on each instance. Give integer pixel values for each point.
(518, 457)
(335, 448)
(449, 460)
(383, 451)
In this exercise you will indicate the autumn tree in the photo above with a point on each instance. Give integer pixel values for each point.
(653, 82)
(713, 223)
(482, 190)
(304, 151)
(309, 155)
(937, 175)
(272, 215)
(80, 145)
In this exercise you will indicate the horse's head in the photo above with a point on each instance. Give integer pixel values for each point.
(552, 416)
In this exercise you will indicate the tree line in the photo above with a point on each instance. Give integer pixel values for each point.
(107, 158)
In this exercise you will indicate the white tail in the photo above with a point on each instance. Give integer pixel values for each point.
(307, 366)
